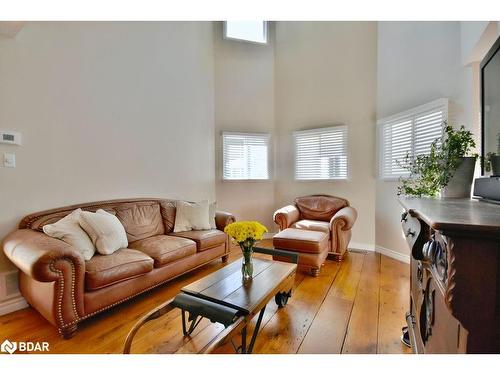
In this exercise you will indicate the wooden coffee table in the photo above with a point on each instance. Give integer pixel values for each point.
(221, 294)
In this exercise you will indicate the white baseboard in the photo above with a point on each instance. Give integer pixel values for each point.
(12, 304)
(361, 246)
(393, 254)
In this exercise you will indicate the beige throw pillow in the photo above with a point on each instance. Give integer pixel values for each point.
(68, 230)
(191, 216)
(105, 230)
(211, 212)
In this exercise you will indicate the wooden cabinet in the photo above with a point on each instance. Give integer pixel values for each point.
(455, 275)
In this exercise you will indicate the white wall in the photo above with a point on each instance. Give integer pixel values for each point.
(112, 110)
(326, 75)
(417, 63)
(476, 38)
(244, 102)
(106, 110)
(470, 33)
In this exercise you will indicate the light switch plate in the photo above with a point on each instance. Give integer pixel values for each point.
(9, 160)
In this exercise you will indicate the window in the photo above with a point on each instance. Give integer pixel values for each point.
(245, 156)
(411, 131)
(250, 31)
(321, 154)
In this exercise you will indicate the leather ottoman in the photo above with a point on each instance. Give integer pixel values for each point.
(311, 246)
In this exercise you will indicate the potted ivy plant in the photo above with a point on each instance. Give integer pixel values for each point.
(492, 160)
(448, 169)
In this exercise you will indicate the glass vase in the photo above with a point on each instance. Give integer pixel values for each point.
(247, 265)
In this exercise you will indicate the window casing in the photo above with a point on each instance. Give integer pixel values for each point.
(245, 156)
(321, 154)
(247, 31)
(413, 132)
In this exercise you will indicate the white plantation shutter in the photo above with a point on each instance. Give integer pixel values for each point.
(396, 142)
(245, 156)
(321, 154)
(428, 127)
(412, 132)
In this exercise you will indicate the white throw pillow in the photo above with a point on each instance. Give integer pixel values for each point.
(68, 230)
(105, 230)
(211, 215)
(191, 216)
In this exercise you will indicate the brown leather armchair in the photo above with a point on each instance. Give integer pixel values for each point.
(324, 213)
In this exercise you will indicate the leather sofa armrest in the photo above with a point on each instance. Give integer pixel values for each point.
(286, 216)
(37, 254)
(223, 219)
(46, 259)
(344, 218)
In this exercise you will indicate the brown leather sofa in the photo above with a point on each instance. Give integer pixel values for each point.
(66, 289)
(324, 213)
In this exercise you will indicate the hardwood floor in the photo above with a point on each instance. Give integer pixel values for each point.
(356, 306)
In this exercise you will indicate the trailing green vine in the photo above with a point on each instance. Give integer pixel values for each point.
(430, 173)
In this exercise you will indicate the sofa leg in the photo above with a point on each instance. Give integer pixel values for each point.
(315, 272)
(68, 332)
(225, 258)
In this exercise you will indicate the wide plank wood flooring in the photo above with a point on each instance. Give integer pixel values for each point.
(356, 306)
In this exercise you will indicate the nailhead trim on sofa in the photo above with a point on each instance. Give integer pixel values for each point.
(79, 319)
(61, 290)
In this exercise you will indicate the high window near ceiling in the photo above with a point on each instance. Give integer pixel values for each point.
(412, 132)
(245, 156)
(321, 154)
(248, 31)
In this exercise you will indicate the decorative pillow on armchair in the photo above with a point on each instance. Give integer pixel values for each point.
(192, 216)
(105, 230)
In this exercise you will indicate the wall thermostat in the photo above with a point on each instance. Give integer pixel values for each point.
(12, 138)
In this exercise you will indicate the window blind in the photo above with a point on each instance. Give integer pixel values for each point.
(245, 156)
(321, 154)
(412, 132)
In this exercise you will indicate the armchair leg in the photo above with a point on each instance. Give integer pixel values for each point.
(337, 257)
(68, 332)
(315, 272)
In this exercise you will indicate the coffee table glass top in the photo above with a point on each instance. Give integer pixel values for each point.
(226, 287)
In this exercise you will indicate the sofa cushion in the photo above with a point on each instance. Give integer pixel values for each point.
(165, 249)
(167, 208)
(302, 241)
(319, 207)
(321, 226)
(141, 220)
(205, 239)
(124, 264)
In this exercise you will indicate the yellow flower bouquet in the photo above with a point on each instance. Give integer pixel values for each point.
(246, 233)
